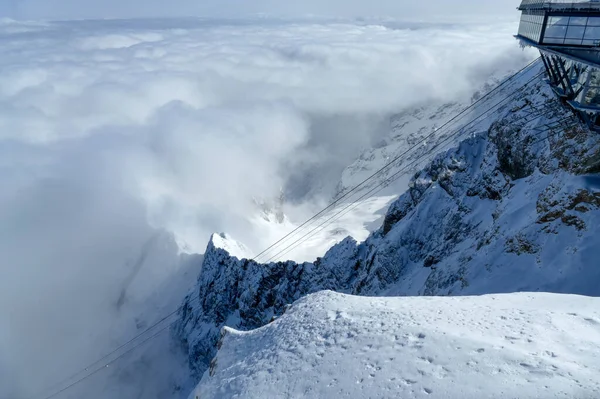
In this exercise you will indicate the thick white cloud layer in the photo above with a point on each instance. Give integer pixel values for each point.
(196, 119)
(112, 129)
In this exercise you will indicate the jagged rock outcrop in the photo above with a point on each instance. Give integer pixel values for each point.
(248, 295)
(510, 209)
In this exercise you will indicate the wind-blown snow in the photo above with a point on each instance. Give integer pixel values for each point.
(332, 345)
(229, 244)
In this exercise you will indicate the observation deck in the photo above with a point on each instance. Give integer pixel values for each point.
(567, 34)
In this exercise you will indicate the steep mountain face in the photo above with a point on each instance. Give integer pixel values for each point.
(512, 208)
(431, 122)
(399, 151)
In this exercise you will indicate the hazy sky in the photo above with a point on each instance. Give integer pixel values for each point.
(68, 9)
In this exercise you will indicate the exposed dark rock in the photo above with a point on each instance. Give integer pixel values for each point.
(455, 231)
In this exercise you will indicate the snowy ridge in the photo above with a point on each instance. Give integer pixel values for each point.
(434, 123)
(332, 345)
(513, 208)
(231, 246)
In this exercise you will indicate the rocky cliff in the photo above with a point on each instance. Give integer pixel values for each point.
(512, 208)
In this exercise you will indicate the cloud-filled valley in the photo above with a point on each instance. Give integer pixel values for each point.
(113, 130)
(209, 116)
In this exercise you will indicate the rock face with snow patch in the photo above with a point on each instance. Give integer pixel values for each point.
(514, 208)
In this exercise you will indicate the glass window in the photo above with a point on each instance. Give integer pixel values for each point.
(575, 32)
(552, 40)
(592, 33)
(530, 27)
(556, 31)
(573, 41)
(590, 42)
(593, 21)
(558, 20)
(579, 21)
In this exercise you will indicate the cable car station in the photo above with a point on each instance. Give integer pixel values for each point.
(567, 35)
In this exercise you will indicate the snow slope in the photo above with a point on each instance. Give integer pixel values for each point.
(513, 208)
(415, 137)
(332, 345)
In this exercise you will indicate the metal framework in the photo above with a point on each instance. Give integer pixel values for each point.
(567, 34)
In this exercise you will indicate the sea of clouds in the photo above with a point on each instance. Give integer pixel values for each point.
(113, 130)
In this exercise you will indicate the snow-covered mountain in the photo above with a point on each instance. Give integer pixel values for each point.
(331, 345)
(126, 143)
(513, 207)
(434, 123)
(415, 136)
